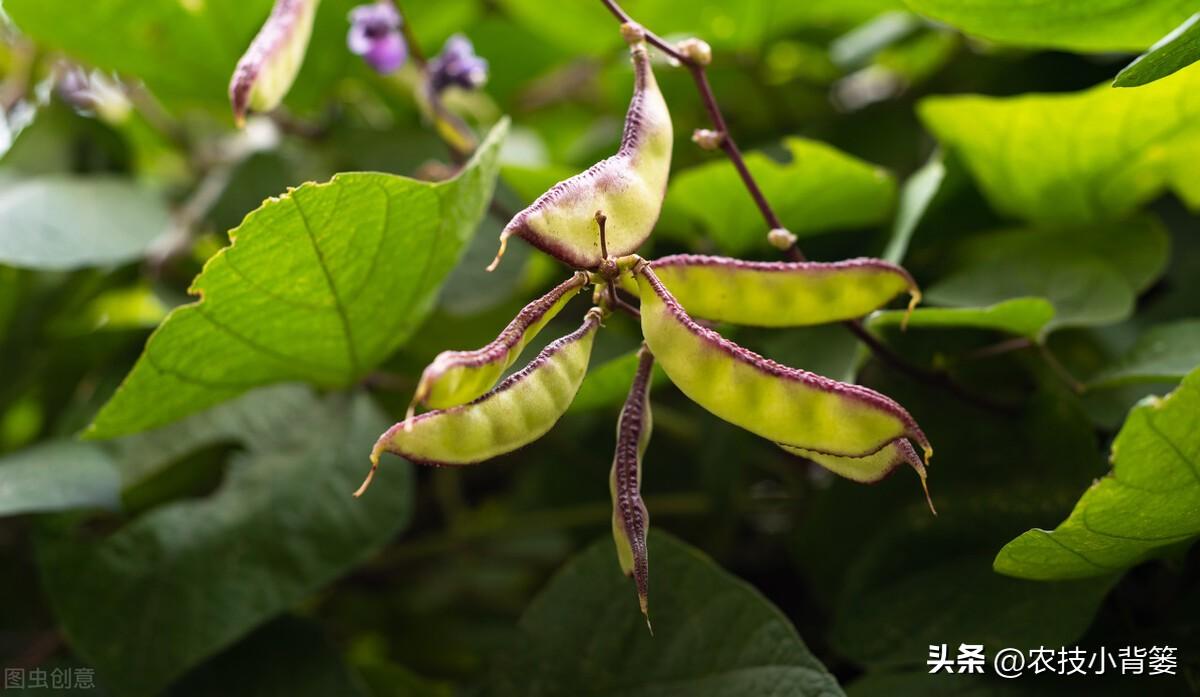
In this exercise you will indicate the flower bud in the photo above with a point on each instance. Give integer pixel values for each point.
(375, 35)
(781, 238)
(268, 68)
(695, 50)
(708, 139)
(457, 65)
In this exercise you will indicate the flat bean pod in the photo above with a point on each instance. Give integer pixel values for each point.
(630, 519)
(519, 411)
(782, 404)
(781, 294)
(457, 377)
(869, 468)
(628, 188)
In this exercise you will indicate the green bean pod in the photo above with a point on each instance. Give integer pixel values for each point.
(267, 70)
(520, 410)
(870, 468)
(457, 377)
(630, 520)
(628, 188)
(782, 294)
(782, 404)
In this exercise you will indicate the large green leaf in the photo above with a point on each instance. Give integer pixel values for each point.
(587, 27)
(61, 222)
(187, 579)
(1081, 25)
(180, 49)
(184, 51)
(1164, 353)
(57, 476)
(713, 634)
(1078, 157)
(1174, 52)
(1091, 275)
(1022, 316)
(819, 189)
(319, 285)
(1150, 500)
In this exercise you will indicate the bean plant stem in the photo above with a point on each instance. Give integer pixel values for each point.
(729, 146)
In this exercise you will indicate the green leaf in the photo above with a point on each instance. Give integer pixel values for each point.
(184, 51)
(319, 285)
(589, 28)
(1078, 157)
(1087, 25)
(286, 657)
(1163, 353)
(1090, 275)
(62, 222)
(1021, 316)
(819, 189)
(1146, 504)
(916, 195)
(180, 49)
(926, 581)
(56, 476)
(713, 634)
(1174, 52)
(198, 574)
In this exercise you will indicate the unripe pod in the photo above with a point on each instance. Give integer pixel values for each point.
(630, 520)
(457, 377)
(628, 188)
(267, 70)
(780, 294)
(519, 411)
(785, 405)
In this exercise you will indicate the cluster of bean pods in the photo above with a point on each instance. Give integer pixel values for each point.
(594, 222)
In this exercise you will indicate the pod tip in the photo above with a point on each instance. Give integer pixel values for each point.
(914, 300)
(370, 475)
(408, 415)
(925, 487)
(500, 253)
(644, 604)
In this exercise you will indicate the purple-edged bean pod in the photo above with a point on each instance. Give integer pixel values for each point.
(267, 70)
(457, 377)
(630, 519)
(870, 468)
(628, 188)
(785, 405)
(781, 294)
(520, 410)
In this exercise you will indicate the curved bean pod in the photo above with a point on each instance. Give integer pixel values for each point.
(630, 519)
(519, 411)
(782, 294)
(779, 403)
(869, 468)
(265, 73)
(628, 187)
(457, 377)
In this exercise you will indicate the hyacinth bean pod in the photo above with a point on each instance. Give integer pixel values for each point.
(267, 70)
(870, 468)
(457, 377)
(630, 520)
(519, 411)
(782, 404)
(628, 187)
(781, 294)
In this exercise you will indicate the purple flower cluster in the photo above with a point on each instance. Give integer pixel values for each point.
(375, 35)
(458, 65)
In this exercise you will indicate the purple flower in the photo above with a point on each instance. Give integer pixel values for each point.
(458, 65)
(375, 35)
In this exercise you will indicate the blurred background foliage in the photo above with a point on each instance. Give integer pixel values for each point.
(1054, 233)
